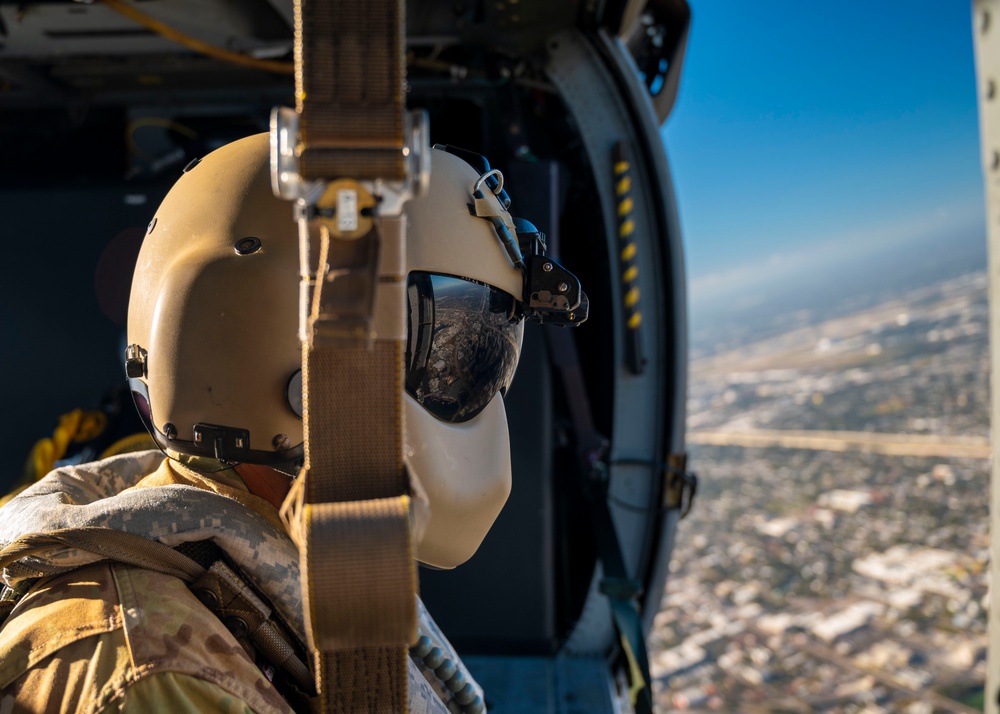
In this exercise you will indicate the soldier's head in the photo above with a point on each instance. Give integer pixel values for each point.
(214, 358)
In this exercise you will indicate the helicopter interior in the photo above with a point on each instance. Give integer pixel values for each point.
(100, 115)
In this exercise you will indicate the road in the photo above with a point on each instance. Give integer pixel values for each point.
(970, 447)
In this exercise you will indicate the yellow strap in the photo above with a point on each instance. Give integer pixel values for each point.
(128, 444)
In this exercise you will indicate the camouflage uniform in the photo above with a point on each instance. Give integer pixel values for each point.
(110, 637)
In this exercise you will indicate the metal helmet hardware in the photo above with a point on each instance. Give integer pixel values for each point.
(550, 294)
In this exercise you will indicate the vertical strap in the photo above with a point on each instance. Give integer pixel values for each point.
(350, 511)
(622, 591)
(352, 524)
(350, 60)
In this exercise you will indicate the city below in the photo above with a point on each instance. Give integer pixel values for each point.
(836, 559)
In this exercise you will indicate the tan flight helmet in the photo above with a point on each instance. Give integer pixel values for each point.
(213, 351)
(214, 357)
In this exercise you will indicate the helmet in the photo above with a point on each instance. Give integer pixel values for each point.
(211, 325)
(214, 357)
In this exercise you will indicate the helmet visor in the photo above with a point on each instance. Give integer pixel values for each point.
(463, 344)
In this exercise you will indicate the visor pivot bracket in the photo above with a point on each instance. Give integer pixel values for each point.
(135, 362)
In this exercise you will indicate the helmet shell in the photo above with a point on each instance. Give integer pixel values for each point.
(452, 239)
(220, 326)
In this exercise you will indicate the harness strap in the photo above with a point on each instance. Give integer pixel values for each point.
(621, 590)
(349, 513)
(350, 69)
(108, 543)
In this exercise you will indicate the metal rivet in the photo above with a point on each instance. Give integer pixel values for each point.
(238, 626)
(563, 287)
(547, 267)
(280, 442)
(248, 245)
(170, 431)
(207, 598)
(151, 226)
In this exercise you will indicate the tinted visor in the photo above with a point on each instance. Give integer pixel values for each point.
(462, 346)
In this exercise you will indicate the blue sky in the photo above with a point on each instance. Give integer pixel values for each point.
(808, 132)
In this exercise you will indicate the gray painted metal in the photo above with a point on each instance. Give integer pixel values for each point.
(673, 291)
(545, 685)
(986, 35)
(78, 29)
(595, 79)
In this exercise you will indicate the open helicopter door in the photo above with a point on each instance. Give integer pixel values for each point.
(566, 99)
(986, 41)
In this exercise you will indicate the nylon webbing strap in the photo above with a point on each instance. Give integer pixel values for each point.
(357, 559)
(350, 68)
(354, 422)
(350, 513)
(622, 591)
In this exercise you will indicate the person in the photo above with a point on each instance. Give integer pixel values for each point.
(214, 366)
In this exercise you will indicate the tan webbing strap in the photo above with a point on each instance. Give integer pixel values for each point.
(366, 463)
(350, 68)
(353, 521)
(350, 512)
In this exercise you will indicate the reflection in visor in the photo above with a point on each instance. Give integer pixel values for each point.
(463, 344)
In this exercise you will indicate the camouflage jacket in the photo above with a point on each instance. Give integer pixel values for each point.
(107, 637)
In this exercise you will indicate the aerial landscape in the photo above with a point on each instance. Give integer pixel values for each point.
(836, 557)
